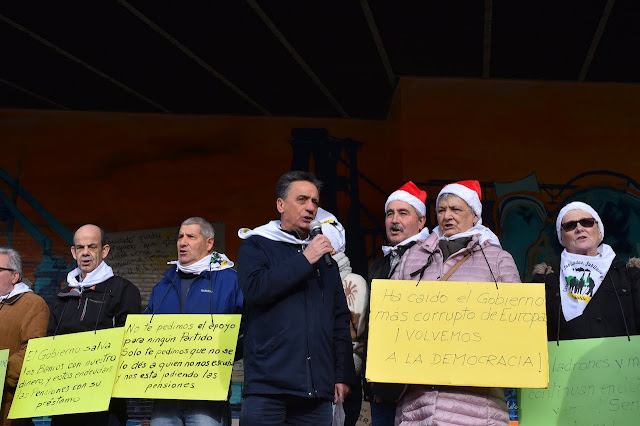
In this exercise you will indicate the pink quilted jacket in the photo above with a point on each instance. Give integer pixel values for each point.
(448, 405)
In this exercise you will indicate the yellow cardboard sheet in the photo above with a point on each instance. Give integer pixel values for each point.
(187, 356)
(4, 360)
(458, 333)
(72, 373)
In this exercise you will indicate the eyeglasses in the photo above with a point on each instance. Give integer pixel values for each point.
(7, 269)
(587, 222)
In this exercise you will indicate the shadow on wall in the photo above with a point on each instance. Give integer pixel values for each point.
(525, 213)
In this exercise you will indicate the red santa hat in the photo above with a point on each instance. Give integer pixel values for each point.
(468, 190)
(409, 193)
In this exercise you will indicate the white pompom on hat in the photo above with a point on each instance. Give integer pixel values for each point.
(578, 205)
(332, 229)
(468, 190)
(411, 194)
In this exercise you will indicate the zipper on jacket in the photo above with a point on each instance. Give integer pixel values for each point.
(84, 310)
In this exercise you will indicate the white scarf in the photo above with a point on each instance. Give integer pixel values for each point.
(422, 235)
(17, 289)
(344, 265)
(484, 234)
(102, 273)
(586, 273)
(211, 262)
(273, 232)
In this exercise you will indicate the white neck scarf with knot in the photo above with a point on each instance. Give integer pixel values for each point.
(422, 235)
(580, 278)
(17, 289)
(211, 262)
(273, 232)
(102, 273)
(484, 234)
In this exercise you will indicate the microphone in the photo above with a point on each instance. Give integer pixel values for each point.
(315, 228)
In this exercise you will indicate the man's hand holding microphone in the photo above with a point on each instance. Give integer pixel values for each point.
(320, 246)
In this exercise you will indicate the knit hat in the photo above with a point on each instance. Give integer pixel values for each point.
(578, 205)
(411, 194)
(332, 229)
(468, 190)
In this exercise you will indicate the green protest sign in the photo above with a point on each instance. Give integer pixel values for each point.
(591, 382)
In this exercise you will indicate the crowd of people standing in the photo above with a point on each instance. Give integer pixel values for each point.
(303, 335)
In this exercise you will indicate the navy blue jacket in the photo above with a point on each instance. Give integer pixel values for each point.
(297, 338)
(216, 293)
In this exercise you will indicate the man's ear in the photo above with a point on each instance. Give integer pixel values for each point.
(422, 221)
(105, 250)
(210, 243)
(73, 252)
(15, 278)
(280, 205)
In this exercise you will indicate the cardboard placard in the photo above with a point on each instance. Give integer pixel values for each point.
(458, 333)
(4, 360)
(591, 382)
(188, 356)
(71, 373)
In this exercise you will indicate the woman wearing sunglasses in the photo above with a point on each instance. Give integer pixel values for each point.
(590, 293)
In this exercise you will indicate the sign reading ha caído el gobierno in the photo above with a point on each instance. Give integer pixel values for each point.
(458, 333)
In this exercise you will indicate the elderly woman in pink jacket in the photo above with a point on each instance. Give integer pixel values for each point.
(460, 248)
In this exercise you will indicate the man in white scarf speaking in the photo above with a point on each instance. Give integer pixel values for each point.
(201, 281)
(23, 316)
(297, 347)
(94, 299)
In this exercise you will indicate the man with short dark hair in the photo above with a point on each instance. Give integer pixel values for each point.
(201, 281)
(94, 299)
(23, 316)
(405, 216)
(298, 354)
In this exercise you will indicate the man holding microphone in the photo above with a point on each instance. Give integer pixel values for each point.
(298, 354)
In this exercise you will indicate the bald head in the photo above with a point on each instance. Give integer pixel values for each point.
(89, 248)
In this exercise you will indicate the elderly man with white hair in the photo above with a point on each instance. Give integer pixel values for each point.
(23, 315)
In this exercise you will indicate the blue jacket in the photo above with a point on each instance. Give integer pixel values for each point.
(215, 293)
(211, 293)
(297, 338)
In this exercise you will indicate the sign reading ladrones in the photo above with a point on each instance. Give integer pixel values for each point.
(458, 333)
(73, 373)
(591, 382)
(177, 356)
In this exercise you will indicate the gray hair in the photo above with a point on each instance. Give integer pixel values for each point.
(206, 229)
(446, 195)
(14, 259)
(285, 181)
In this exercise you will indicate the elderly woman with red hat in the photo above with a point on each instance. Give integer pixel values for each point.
(460, 248)
(590, 293)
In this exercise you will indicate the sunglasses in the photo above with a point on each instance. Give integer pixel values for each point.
(7, 269)
(571, 225)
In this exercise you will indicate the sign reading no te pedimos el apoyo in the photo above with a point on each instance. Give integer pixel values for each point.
(458, 333)
(188, 356)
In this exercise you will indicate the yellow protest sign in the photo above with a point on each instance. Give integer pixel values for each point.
(458, 333)
(72, 373)
(4, 360)
(187, 356)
